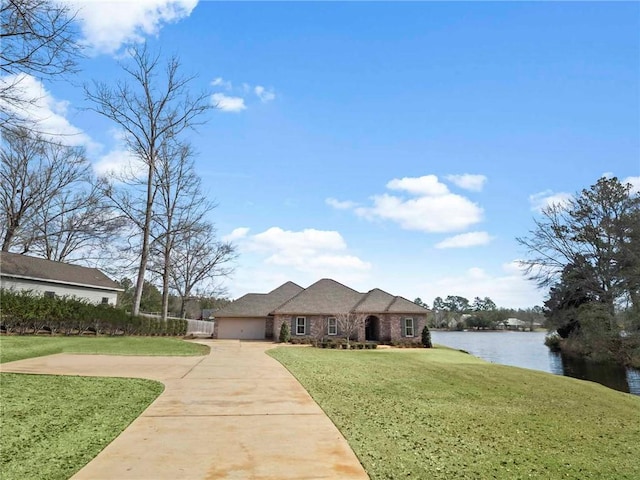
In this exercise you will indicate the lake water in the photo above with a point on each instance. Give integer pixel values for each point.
(527, 350)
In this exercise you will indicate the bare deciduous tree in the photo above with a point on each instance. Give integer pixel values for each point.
(179, 210)
(349, 323)
(198, 257)
(153, 108)
(33, 172)
(38, 38)
(319, 330)
(77, 225)
(49, 203)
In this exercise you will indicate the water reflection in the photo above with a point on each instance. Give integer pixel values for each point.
(608, 374)
(527, 350)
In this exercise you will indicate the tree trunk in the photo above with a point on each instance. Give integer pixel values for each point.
(144, 254)
(165, 275)
(183, 309)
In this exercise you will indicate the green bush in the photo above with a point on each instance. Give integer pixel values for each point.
(426, 337)
(285, 333)
(24, 312)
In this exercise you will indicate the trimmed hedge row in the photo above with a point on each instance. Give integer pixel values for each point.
(24, 313)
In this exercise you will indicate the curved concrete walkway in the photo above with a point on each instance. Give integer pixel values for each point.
(236, 413)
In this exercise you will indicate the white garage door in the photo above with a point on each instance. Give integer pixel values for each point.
(242, 328)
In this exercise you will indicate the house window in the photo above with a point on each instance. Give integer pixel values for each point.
(301, 324)
(408, 327)
(105, 300)
(332, 326)
(50, 294)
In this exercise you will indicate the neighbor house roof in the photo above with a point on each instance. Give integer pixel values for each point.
(515, 322)
(24, 267)
(326, 296)
(259, 304)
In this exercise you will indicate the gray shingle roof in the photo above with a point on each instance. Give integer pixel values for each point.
(326, 297)
(379, 301)
(259, 304)
(375, 301)
(402, 305)
(24, 266)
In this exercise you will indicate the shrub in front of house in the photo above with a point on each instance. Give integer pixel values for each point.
(406, 343)
(426, 337)
(285, 333)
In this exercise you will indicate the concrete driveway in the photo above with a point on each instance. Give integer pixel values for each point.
(236, 413)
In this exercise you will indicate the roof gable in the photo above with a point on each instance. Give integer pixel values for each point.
(402, 305)
(375, 301)
(41, 269)
(259, 304)
(284, 292)
(326, 296)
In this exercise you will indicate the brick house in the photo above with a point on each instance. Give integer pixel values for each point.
(316, 311)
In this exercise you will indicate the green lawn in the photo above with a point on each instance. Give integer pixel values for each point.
(51, 426)
(442, 414)
(17, 347)
(54, 425)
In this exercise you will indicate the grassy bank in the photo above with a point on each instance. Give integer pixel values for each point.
(20, 347)
(443, 414)
(51, 426)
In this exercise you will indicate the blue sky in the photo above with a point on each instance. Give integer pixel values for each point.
(394, 145)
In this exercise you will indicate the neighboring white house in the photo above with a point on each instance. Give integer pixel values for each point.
(46, 277)
(515, 324)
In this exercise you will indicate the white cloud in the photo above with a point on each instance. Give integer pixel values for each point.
(426, 185)
(466, 240)
(635, 183)
(307, 240)
(119, 162)
(468, 181)
(263, 94)
(43, 112)
(108, 25)
(228, 104)
(541, 200)
(236, 234)
(221, 82)
(346, 205)
(509, 288)
(303, 256)
(434, 208)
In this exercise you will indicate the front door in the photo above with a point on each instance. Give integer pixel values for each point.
(372, 329)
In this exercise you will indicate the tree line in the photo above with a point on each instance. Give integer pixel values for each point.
(150, 217)
(457, 313)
